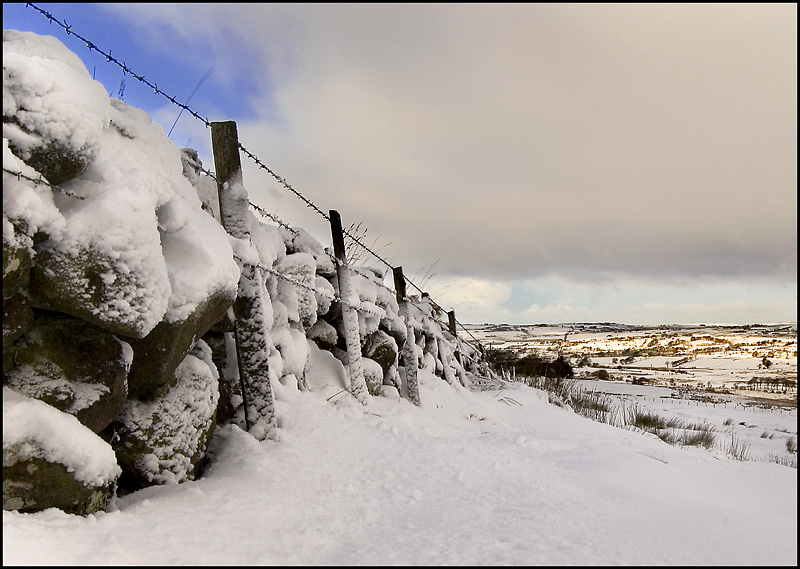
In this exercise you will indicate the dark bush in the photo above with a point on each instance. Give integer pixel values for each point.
(601, 374)
(530, 365)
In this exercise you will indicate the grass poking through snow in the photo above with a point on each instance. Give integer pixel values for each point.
(565, 392)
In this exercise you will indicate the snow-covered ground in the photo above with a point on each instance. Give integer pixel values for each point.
(469, 478)
(704, 380)
(763, 433)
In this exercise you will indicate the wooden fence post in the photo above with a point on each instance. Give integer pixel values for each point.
(451, 316)
(451, 322)
(352, 336)
(409, 350)
(250, 329)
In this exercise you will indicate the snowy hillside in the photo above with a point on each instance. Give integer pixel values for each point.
(487, 478)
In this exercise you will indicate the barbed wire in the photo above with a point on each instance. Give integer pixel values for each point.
(338, 262)
(258, 208)
(41, 181)
(357, 241)
(329, 296)
(185, 107)
(282, 181)
(295, 282)
(424, 295)
(111, 59)
(274, 218)
(427, 298)
(468, 332)
(310, 204)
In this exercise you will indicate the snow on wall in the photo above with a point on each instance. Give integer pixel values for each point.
(178, 423)
(139, 218)
(30, 206)
(57, 437)
(49, 92)
(153, 222)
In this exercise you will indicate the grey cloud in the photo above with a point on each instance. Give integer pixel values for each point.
(512, 140)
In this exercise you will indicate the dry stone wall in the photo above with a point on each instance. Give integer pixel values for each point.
(119, 357)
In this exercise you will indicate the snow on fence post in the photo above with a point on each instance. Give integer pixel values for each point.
(445, 353)
(451, 324)
(451, 316)
(352, 336)
(409, 350)
(252, 348)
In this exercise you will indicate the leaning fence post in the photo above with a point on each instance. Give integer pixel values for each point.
(352, 336)
(409, 350)
(252, 349)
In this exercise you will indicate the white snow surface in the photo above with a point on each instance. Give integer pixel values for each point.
(27, 202)
(469, 478)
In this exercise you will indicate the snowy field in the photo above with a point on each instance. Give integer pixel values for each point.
(691, 357)
(763, 432)
(498, 477)
(705, 379)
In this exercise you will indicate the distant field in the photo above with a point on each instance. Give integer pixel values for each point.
(739, 381)
(701, 362)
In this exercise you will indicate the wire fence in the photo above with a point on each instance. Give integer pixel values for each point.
(272, 217)
(260, 210)
(41, 181)
(91, 46)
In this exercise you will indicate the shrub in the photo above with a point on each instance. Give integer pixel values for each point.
(650, 421)
(737, 449)
(592, 405)
(668, 436)
(530, 365)
(703, 438)
(674, 431)
(790, 461)
(601, 374)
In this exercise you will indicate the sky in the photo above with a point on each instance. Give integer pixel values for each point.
(486, 478)
(524, 163)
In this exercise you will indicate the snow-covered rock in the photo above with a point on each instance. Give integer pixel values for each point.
(50, 460)
(53, 112)
(74, 366)
(164, 441)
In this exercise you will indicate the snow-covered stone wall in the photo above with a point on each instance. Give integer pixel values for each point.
(118, 288)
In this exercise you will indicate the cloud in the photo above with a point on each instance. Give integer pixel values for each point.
(556, 299)
(481, 300)
(515, 142)
(501, 141)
